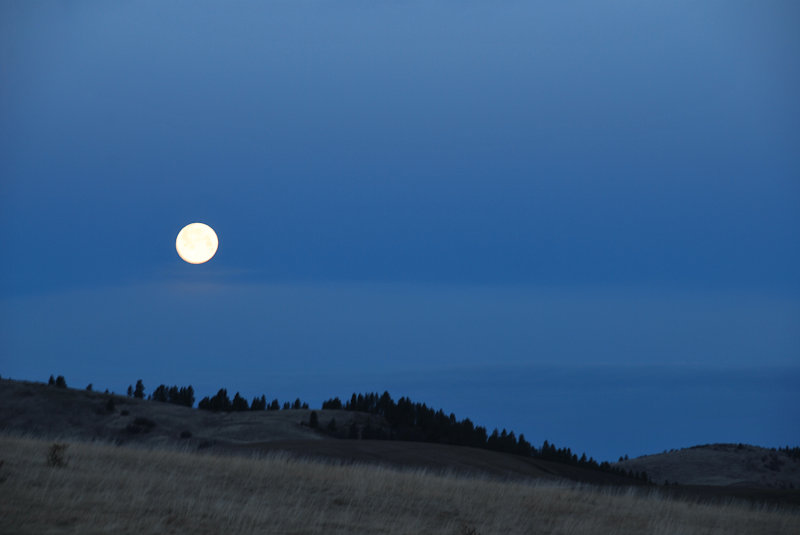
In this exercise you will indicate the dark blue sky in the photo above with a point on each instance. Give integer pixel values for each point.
(578, 221)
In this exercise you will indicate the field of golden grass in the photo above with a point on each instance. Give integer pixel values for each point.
(104, 488)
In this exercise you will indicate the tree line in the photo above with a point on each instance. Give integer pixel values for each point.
(407, 421)
(418, 422)
(218, 402)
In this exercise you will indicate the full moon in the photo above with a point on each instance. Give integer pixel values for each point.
(197, 243)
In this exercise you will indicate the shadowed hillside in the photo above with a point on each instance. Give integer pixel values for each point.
(43, 410)
(80, 487)
(47, 411)
(722, 464)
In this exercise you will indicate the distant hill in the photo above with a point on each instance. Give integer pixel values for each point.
(737, 465)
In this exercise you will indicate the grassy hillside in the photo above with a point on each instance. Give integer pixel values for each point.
(721, 464)
(42, 410)
(36, 409)
(119, 489)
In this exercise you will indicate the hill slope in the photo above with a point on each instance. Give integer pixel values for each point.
(47, 411)
(42, 410)
(101, 488)
(721, 464)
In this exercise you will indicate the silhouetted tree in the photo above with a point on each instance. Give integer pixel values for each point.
(138, 392)
(220, 402)
(239, 403)
(493, 443)
(52, 381)
(334, 403)
(259, 404)
(160, 394)
(185, 396)
(130, 391)
(523, 446)
(89, 387)
(274, 405)
(61, 382)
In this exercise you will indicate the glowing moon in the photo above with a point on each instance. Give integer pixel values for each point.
(197, 243)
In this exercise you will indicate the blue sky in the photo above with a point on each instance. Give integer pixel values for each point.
(449, 200)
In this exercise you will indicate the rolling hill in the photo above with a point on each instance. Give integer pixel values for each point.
(737, 465)
(30, 408)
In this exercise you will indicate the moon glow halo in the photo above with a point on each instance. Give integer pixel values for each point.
(197, 243)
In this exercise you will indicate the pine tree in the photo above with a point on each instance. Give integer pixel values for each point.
(60, 382)
(334, 403)
(239, 403)
(221, 402)
(160, 394)
(493, 442)
(138, 392)
(259, 404)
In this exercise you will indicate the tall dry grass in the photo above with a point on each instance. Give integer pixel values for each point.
(107, 489)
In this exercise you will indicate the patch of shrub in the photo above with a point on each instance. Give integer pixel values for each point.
(186, 434)
(56, 455)
(110, 407)
(140, 425)
(144, 422)
(125, 412)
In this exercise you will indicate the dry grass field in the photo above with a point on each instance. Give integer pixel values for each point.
(104, 488)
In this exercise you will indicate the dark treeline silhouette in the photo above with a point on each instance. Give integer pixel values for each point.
(137, 392)
(794, 453)
(418, 422)
(172, 394)
(407, 421)
(58, 382)
(221, 402)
